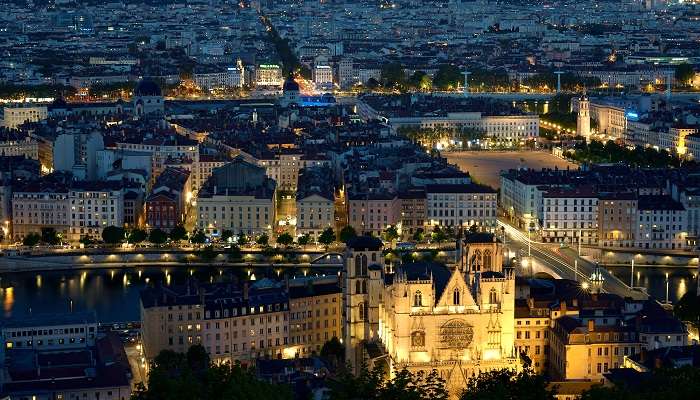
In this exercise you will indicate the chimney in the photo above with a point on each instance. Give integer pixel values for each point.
(591, 325)
(245, 291)
(562, 307)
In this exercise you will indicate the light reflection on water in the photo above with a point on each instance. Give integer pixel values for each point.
(114, 294)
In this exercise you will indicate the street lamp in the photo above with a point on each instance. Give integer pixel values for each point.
(666, 287)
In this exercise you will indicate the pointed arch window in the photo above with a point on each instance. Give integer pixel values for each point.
(357, 287)
(487, 260)
(418, 299)
(493, 299)
(455, 297)
(358, 265)
(364, 264)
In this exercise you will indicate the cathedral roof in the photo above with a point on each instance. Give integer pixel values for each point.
(147, 87)
(423, 270)
(492, 274)
(480, 237)
(364, 243)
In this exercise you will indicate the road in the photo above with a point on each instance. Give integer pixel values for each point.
(562, 262)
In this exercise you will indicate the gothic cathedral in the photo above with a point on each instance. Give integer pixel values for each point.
(457, 319)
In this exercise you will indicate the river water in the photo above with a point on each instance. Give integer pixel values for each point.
(114, 294)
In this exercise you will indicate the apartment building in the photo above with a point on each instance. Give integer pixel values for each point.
(373, 212)
(40, 204)
(661, 223)
(93, 207)
(586, 351)
(233, 323)
(413, 208)
(284, 165)
(617, 214)
(315, 201)
(461, 206)
(570, 216)
(315, 314)
(242, 322)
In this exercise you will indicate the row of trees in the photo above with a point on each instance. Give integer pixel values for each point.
(429, 137)
(569, 81)
(447, 77)
(611, 152)
(11, 91)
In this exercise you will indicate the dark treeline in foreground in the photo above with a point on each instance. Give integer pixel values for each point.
(192, 376)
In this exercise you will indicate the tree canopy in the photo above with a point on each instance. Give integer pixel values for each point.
(373, 385)
(157, 236)
(191, 376)
(113, 234)
(327, 237)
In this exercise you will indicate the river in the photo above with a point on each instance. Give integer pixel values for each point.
(114, 294)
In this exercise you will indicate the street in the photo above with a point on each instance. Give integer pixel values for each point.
(563, 262)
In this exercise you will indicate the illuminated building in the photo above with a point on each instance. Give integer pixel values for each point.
(315, 314)
(15, 116)
(587, 351)
(456, 319)
(238, 197)
(233, 322)
(268, 75)
(583, 119)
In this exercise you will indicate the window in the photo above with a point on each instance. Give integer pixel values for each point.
(418, 299)
(455, 297)
(492, 296)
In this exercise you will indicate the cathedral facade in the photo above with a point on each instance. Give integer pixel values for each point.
(457, 319)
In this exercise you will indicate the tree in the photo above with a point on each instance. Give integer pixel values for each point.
(372, 83)
(684, 73)
(207, 253)
(263, 240)
(226, 234)
(376, 385)
(347, 233)
(507, 384)
(447, 77)
(393, 76)
(177, 376)
(234, 253)
(157, 236)
(333, 350)
(420, 81)
(418, 235)
(391, 233)
(243, 239)
(178, 233)
(137, 235)
(682, 383)
(198, 237)
(113, 234)
(31, 239)
(688, 307)
(304, 239)
(439, 235)
(285, 239)
(50, 236)
(327, 237)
